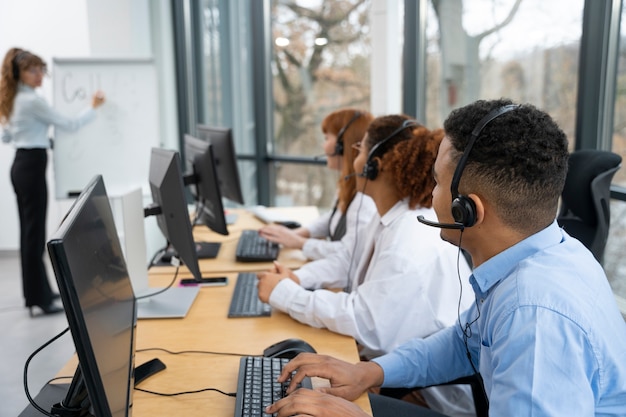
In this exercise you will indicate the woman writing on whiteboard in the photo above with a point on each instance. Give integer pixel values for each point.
(25, 118)
(341, 128)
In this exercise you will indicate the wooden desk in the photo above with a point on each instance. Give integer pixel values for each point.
(225, 261)
(206, 328)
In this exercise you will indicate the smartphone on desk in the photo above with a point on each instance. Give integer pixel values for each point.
(205, 282)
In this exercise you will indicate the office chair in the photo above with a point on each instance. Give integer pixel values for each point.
(481, 403)
(584, 211)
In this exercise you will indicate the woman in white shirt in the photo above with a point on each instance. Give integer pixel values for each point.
(352, 210)
(25, 118)
(401, 281)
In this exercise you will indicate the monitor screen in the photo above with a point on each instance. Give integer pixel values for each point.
(99, 301)
(204, 184)
(225, 160)
(168, 193)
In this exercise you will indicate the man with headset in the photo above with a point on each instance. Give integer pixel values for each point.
(545, 332)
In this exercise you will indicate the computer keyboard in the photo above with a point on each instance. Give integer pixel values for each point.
(257, 386)
(245, 300)
(265, 215)
(254, 248)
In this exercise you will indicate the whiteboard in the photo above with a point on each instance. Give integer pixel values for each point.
(117, 143)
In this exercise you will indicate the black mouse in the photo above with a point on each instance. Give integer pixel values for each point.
(290, 224)
(288, 348)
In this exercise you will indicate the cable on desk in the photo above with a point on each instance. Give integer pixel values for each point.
(162, 289)
(206, 352)
(32, 355)
(174, 394)
(157, 255)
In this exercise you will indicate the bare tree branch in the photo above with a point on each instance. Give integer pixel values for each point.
(502, 24)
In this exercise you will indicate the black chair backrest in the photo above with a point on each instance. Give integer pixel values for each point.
(584, 211)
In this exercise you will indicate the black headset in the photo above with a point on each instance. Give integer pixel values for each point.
(463, 207)
(339, 144)
(15, 61)
(370, 169)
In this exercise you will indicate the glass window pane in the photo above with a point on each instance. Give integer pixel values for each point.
(320, 62)
(619, 131)
(487, 49)
(305, 185)
(614, 260)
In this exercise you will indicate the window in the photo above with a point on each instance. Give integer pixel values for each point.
(615, 264)
(489, 49)
(320, 62)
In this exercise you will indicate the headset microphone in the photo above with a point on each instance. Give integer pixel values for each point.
(457, 226)
(321, 156)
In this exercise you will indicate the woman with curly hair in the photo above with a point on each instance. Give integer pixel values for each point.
(400, 279)
(25, 118)
(352, 210)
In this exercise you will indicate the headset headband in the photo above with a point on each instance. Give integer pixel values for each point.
(456, 179)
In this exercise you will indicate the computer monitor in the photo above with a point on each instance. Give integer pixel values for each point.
(170, 207)
(204, 184)
(225, 160)
(99, 304)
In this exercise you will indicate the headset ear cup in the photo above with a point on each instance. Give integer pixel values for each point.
(464, 211)
(371, 169)
(339, 147)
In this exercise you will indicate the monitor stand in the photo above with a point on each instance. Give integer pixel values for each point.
(51, 395)
(173, 303)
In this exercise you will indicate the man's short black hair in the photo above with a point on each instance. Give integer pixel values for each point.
(518, 162)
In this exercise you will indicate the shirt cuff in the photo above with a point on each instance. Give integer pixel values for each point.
(392, 369)
(283, 294)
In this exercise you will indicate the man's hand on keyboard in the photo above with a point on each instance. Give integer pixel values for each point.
(314, 403)
(347, 380)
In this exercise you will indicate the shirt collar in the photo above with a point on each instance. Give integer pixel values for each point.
(23, 87)
(396, 211)
(490, 273)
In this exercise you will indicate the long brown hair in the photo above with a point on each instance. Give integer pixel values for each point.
(357, 122)
(15, 61)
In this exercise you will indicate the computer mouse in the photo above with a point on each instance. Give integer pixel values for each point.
(288, 348)
(289, 224)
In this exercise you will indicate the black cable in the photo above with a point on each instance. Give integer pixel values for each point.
(194, 351)
(174, 394)
(32, 355)
(467, 329)
(157, 255)
(356, 232)
(162, 289)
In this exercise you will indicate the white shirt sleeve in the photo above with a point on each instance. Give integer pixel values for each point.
(410, 289)
(45, 113)
(6, 136)
(359, 214)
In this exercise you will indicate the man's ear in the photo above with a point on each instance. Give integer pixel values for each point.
(480, 208)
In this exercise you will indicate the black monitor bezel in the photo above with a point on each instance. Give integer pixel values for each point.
(204, 184)
(225, 160)
(88, 363)
(173, 216)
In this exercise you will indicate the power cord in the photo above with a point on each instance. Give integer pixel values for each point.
(204, 352)
(162, 289)
(32, 355)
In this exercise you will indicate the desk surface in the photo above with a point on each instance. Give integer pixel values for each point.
(207, 328)
(225, 261)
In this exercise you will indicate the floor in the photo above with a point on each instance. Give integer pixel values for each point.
(22, 336)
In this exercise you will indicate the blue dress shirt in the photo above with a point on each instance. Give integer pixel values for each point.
(545, 334)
